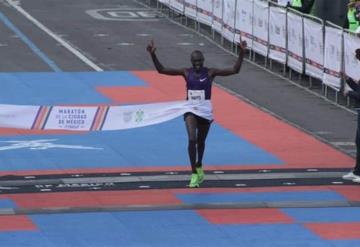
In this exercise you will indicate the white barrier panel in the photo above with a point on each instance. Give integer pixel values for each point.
(177, 5)
(352, 65)
(277, 34)
(295, 42)
(204, 11)
(261, 27)
(217, 14)
(166, 2)
(190, 8)
(228, 31)
(332, 57)
(244, 22)
(314, 48)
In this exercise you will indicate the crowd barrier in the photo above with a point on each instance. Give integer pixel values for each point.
(303, 43)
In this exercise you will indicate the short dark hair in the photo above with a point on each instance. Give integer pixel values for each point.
(197, 52)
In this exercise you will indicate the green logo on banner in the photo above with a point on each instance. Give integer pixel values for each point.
(139, 116)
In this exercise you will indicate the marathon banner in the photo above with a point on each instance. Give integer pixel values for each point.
(295, 42)
(98, 118)
(244, 22)
(228, 32)
(332, 57)
(277, 34)
(352, 65)
(261, 27)
(177, 5)
(204, 11)
(314, 48)
(217, 14)
(190, 8)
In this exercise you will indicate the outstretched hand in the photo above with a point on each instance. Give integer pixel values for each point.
(151, 47)
(242, 45)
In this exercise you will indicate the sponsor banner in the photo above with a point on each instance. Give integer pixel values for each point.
(73, 118)
(228, 32)
(244, 22)
(18, 116)
(93, 118)
(204, 11)
(352, 65)
(314, 48)
(190, 8)
(261, 27)
(332, 57)
(277, 34)
(295, 42)
(177, 5)
(217, 15)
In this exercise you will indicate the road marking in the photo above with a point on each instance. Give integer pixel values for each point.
(125, 44)
(124, 14)
(184, 43)
(343, 143)
(54, 36)
(143, 34)
(101, 35)
(218, 172)
(29, 43)
(323, 132)
(41, 144)
(335, 182)
(312, 170)
(265, 171)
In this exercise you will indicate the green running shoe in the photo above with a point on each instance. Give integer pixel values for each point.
(194, 182)
(201, 174)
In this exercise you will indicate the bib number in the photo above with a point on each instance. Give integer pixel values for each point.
(196, 95)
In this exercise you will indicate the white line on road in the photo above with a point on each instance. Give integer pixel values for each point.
(343, 143)
(78, 54)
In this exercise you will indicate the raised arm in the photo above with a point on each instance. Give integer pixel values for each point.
(159, 67)
(235, 69)
(352, 84)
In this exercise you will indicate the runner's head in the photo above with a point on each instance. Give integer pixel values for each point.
(357, 54)
(197, 60)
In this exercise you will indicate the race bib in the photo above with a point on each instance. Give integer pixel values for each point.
(196, 95)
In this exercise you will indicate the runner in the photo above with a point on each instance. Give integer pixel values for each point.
(198, 85)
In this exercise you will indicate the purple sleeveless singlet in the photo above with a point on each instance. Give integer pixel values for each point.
(202, 82)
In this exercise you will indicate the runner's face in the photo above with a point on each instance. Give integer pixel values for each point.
(197, 60)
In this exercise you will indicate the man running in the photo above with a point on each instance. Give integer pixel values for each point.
(198, 85)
